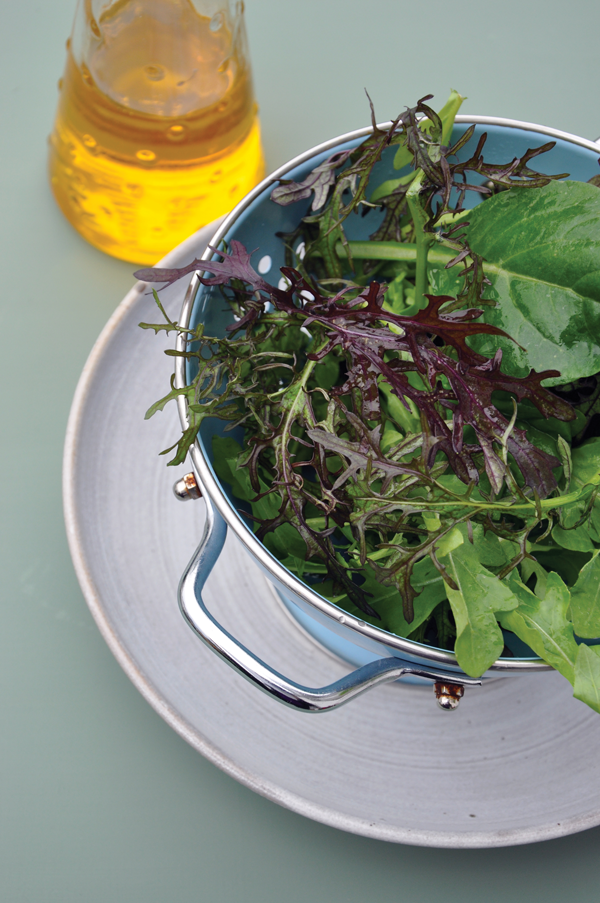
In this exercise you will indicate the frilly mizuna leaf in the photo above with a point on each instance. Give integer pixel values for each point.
(446, 115)
(319, 180)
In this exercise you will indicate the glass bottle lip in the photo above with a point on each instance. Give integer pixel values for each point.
(91, 16)
(170, 58)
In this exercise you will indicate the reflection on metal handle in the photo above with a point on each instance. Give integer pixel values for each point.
(319, 699)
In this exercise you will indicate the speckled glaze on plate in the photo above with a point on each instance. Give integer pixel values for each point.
(514, 764)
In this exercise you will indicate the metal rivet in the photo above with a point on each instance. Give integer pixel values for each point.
(448, 695)
(186, 488)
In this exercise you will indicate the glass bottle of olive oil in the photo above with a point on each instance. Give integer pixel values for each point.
(157, 131)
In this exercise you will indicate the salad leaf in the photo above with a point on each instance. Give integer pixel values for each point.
(429, 589)
(478, 596)
(585, 600)
(586, 462)
(319, 181)
(542, 256)
(404, 156)
(541, 622)
(587, 676)
(577, 539)
(579, 528)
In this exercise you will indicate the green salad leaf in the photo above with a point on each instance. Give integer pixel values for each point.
(541, 252)
(587, 676)
(541, 622)
(585, 600)
(475, 602)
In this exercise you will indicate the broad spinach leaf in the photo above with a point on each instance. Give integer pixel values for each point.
(542, 255)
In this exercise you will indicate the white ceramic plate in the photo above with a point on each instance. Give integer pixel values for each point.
(517, 762)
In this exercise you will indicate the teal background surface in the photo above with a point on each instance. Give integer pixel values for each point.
(99, 799)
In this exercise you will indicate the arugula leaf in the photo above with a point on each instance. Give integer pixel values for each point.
(491, 551)
(565, 562)
(285, 541)
(542, 623)
(578, 539)
(428, 586)
(587, 676)
(585, 600)
(478, 596)
(571, 533)
(227, 454)
(542, 256)
(586, 462)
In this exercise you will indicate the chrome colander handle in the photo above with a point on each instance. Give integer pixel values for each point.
(306, 699)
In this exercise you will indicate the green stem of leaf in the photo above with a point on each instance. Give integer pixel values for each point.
(392, 250)
(533, 505)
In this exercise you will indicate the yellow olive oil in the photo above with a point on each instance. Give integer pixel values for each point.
(156, 134)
